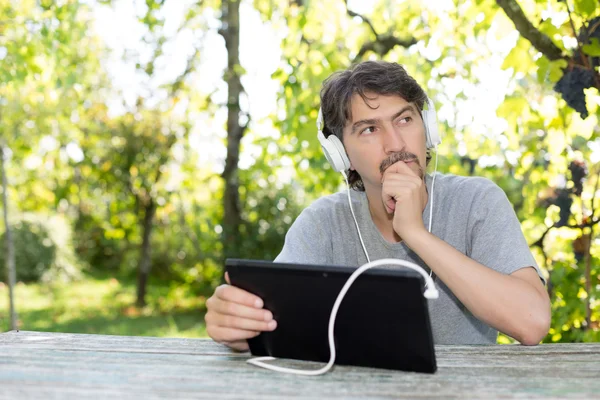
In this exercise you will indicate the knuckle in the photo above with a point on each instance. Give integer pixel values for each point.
(209, 302)
(220, 290)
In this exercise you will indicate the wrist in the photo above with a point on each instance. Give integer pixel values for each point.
(417, 239)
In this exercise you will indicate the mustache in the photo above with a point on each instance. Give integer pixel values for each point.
(398, 156)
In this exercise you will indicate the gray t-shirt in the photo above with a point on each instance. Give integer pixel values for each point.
(471, 214)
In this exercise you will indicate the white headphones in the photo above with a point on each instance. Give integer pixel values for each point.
(336, 154)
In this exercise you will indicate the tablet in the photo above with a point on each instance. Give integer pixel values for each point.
(383, 321)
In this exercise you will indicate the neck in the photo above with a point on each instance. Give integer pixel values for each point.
(384, 221)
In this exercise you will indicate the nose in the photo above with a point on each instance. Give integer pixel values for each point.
(392, 141)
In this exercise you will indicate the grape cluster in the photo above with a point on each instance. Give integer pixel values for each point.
(576, 78)
(578, 173)
(580, 246)
(470, 162)
(571, 86)
(562, 198)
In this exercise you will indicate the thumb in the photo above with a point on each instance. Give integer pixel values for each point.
(227, 278)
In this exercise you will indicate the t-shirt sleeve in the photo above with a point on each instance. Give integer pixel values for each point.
(308, 240)
(495, 234)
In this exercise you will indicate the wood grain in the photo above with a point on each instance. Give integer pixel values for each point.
(62, 365)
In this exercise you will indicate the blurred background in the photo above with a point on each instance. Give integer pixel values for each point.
(143, 142)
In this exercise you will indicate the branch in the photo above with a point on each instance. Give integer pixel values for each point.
(539, 40)
(189, 68)
(383, 45)
(365, 19)
(583, 56)
(540, 242)
(594, 195)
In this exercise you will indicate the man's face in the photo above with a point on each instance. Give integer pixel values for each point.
(390, 130)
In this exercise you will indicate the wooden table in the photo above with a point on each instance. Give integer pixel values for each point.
(60, 365)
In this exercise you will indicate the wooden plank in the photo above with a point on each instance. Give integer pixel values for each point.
(56, 365)
(52, 340)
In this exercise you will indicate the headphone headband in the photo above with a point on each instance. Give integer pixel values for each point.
(320, 124)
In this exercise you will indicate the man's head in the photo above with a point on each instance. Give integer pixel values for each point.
(375, 109)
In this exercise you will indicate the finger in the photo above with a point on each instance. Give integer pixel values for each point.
(402, 180)
(389, 201)
(240, 310)
(239, 345)
(237, 295)
(229, 335)
(399, 167)
(395, 189)
(227, 278)
(229, 321)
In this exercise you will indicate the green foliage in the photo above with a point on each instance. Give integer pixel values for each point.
(43, 250)
(103, 305)
(34, 252)
(54, 96)
(98, 244)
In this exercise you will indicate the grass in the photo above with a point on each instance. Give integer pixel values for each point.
(104, 305)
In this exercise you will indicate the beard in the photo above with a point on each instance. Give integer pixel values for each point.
(402, 156)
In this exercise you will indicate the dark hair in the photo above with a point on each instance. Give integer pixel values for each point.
(379, 77)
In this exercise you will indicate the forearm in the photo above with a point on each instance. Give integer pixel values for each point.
(507, 303)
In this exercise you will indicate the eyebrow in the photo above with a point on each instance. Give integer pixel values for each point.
(375, 121)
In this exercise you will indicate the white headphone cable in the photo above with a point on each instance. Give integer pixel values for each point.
(431, 202)
(430, 293)
(354, 216)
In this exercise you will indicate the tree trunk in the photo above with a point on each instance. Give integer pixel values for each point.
(588, 279)
(232, 219)
(11, 272)
(145, 261)
(188, 231)
(77, 182)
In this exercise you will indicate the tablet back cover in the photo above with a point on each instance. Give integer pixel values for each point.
(383, 320)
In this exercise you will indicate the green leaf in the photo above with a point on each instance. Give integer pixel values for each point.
(586, 7)
(592, 49)
(556, 70)
(550, 70)
(514, 59)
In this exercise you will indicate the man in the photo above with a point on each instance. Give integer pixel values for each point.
(487, 277)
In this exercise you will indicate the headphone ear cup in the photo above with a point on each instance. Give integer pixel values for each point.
(341, 151)
(334, 152)
(432, 133)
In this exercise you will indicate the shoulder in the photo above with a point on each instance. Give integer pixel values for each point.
(322, 209)
(322, 215)
(332, 209)
(475, 187)
(333, 203)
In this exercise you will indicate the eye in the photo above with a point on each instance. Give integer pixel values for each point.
(368, 130)
(404, 121)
